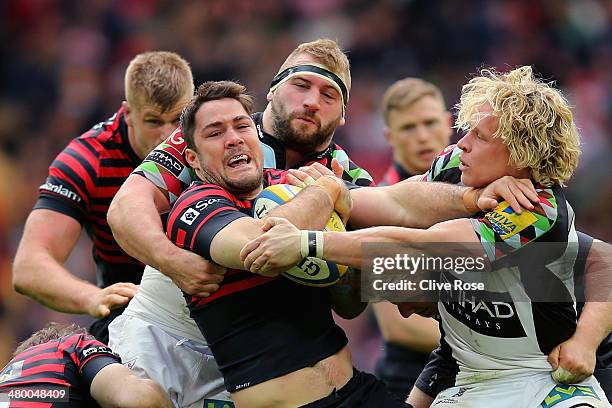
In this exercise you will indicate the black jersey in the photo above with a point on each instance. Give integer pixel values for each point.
(258, 328)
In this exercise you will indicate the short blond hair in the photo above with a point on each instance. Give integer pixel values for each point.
(536, 123)
(328, 53)
(159, 78)
(403, 93)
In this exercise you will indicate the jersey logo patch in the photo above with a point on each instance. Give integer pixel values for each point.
(61, 190)
(98, 350)
(190, 216)
(506, 222)
(563, 392)
(166, 160)
(176, 140)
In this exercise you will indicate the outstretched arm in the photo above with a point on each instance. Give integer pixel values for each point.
(283, 242)
(421, 205)
(38, 270)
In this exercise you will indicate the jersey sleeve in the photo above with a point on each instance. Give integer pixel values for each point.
(502, 231)
(167, 168)
(352, 172)
(71, 181)
(198, 215)
(91, 356)
(445, 167)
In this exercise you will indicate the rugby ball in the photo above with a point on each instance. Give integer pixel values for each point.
(310, 271)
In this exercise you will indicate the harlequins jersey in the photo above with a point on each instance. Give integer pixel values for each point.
(511, 331)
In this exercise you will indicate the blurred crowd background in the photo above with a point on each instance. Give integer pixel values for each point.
(62, 66)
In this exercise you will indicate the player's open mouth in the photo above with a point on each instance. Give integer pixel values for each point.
(239, 161)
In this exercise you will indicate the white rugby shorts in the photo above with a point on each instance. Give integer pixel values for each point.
(184, 368)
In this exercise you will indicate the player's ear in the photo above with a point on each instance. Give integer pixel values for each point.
(342, 121)
(269, 96)
(128, 111)
(192, 159)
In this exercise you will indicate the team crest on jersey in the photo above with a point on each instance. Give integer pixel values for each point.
(563, 392)
(12, 371)
(506, 223)
(190, 216)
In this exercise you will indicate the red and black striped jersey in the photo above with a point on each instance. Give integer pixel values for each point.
(257, 327)
(199, 214)
(394, 174)
(70, 362)
(82, 181)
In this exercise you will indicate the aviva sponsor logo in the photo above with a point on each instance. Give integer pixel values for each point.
(61, 190)
(506, 222)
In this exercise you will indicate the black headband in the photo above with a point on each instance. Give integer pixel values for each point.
(314, 69)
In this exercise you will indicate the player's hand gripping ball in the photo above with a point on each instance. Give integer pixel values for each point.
(310, 271)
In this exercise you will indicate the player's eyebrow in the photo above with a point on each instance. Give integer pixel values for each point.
(219, 123)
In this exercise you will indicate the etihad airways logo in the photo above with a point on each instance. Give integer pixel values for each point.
(488, 313)
(61, 190)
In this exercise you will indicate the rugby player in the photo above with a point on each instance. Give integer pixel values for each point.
(63, 366)
(83, 179)
(509, 353)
